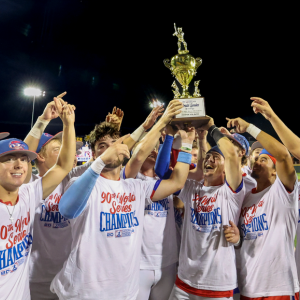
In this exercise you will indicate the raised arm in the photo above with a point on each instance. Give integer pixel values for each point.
(145, 147)
(117, 116)
(202, 149)
(65, 159)
(288, 138)
(75, 198)
(284, 164)
(180, 172)
(163, 158)
(232, 159)
(50, 113)
(33, 137)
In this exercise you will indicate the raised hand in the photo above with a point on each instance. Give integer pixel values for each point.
(50, 111)
(112, 155)
(210, 123)
(65, 111)
(239, 124)
(232, 233)
(171, 130)
(173, 109)
(202, 134)
(224, 130)
(116, 117)
(262, 106)
(155, 113)
(188, 135)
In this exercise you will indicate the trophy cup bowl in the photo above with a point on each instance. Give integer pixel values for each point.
(184, 69)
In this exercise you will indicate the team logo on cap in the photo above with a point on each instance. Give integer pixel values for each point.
(17, 145)
(48, 135)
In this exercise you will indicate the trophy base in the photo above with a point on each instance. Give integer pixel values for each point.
(190, 122)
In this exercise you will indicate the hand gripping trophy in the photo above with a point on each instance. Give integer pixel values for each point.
(183, 67)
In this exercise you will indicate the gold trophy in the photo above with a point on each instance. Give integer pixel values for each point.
(183, 67)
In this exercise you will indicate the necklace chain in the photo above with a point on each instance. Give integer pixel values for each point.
(10, 214)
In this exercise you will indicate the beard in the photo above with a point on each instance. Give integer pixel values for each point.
(254, 175)
(115, 164)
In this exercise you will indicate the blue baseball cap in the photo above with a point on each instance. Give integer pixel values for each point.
(46, 138)
(16, 146)
(241, 140)
(3, 135)
(215, 149)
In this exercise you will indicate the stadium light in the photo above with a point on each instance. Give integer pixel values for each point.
(156, 103)
(33, 92)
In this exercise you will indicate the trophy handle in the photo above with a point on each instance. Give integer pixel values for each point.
(167, 64)
(198, 62)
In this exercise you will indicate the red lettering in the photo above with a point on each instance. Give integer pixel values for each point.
(11, 243)
(103, 195)
(3, 232)
(113, 209)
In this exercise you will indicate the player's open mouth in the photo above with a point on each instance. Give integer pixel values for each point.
(208, 167)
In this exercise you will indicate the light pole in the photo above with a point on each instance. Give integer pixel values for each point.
(35, 93)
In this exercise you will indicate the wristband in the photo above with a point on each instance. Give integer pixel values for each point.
(236, 244)
(253, 130)
(184, 157)
(38, 128)
(215, 133)
(137, 133)
(186, 146)
(98, 165)
(211, 129)
(177, 142)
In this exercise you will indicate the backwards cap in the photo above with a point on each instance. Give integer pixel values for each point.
(241, 140)
(215, 149)
(264, 151)
(10, 146)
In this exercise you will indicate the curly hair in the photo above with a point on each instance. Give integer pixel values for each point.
(100, 131)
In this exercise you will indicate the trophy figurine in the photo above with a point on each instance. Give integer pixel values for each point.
(197, 91)
(176, 91)
(183, 67)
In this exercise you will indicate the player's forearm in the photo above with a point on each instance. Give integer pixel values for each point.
(33, 137)
(288, 138)
(129, 142)
(148, 143)
(74, 200)
(179, 176)
(202, 150)
(273, 146)
(68, 149)
(232, 160)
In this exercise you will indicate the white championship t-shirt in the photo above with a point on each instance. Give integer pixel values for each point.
(246, 170)
(15, 242)
(268, 224)
(105, 259)
(159, 245)
(206, 259)
(250, 183)
(297, 252)
(52, 233)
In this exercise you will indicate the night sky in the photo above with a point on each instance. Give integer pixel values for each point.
(111, 53)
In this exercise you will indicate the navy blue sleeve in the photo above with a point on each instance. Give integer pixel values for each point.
(163, 158)
(239, 187)
(74, 200)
